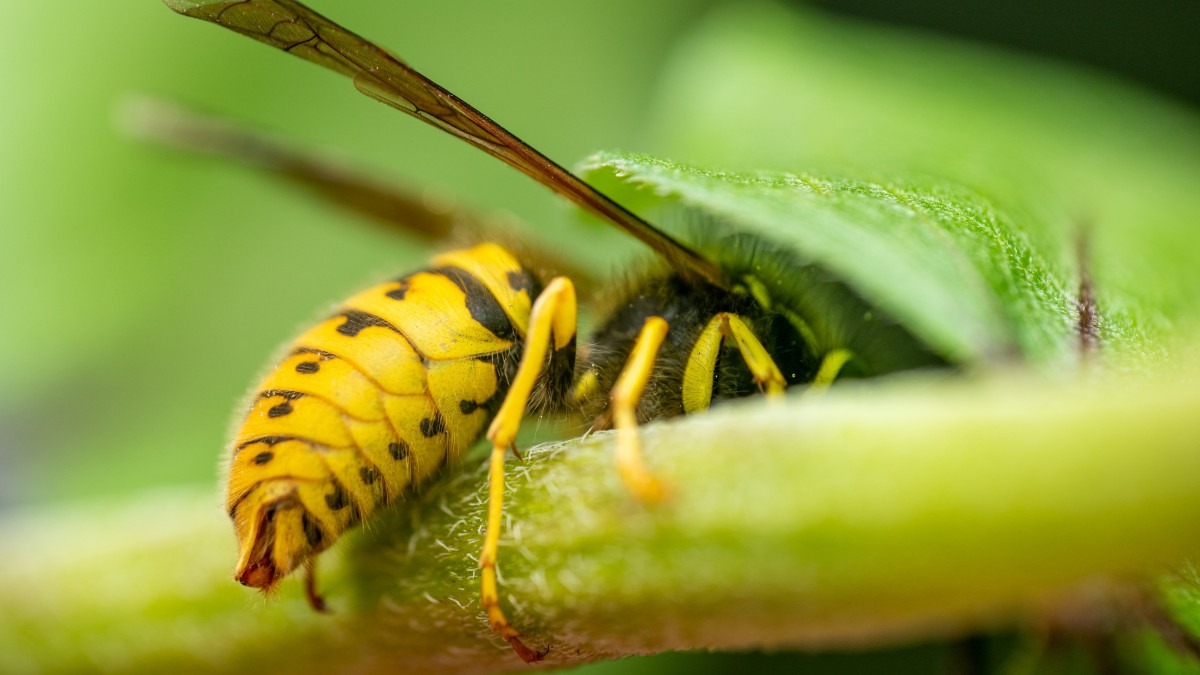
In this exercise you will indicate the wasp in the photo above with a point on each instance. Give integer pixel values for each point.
(405, 376)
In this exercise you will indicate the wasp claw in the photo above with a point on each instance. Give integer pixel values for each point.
(315, 599)
(527, 655)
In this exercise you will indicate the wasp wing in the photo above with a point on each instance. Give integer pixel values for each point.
(173, 124)
(296, 29)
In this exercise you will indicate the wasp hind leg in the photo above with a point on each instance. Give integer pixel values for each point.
(552, 320)
(315, 599)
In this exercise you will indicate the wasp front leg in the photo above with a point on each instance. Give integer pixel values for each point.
(551, 322)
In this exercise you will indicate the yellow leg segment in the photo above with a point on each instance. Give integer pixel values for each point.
(552, 318)
(762, 366)
(626, 394)
(831, 365)
(698, 374)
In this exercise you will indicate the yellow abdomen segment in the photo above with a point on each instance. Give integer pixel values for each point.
(371, 402)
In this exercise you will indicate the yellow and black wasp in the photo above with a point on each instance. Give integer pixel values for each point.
(407, 375)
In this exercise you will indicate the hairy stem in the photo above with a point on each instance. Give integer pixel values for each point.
(910, 509)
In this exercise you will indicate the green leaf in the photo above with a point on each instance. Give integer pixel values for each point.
(929, 255)
(1058, 149)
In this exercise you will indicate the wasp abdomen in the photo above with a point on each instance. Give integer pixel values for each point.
(372, 401)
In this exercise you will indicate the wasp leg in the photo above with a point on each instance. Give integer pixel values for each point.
(553, 316)
(702, 362)
(626, 394)
(315, 599)
(831, 365)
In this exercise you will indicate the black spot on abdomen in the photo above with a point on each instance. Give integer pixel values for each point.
(520, 281)
(356, 321)
(307, 367)
(399, 450)
(336, 500)
(263, 457)
(284, 408)
(400, 291)
(490, 406)
(431, 427)
(312, 531)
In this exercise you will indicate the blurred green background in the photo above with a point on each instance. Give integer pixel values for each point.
(144, 289)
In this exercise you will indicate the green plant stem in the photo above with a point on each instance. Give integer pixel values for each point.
(917, 508)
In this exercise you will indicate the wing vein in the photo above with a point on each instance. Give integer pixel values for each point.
(385, 78)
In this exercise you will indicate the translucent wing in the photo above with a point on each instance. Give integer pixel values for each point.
(390, 205)
(298, 30)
